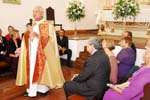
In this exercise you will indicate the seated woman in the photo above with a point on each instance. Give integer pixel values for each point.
(135, 68)
(13, 48)
(108, 46)
(133, 88)
(128, 34)
(3, 45)
(126, 58)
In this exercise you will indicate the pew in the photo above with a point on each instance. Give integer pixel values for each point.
(146, 92)
(3, 64)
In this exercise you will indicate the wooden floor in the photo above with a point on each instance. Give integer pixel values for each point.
(53, 94)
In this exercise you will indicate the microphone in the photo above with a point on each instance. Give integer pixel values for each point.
(30, 21)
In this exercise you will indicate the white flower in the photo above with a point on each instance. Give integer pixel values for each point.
(132, 4)
(75, 10)
(125, 8)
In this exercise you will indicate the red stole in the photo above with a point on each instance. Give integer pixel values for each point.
(40, 57)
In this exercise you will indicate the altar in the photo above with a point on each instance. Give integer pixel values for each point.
(138, 26)
(77, 45)
(139, 37)
(141, 17)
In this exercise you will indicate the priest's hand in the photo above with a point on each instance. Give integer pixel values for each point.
(33, 35)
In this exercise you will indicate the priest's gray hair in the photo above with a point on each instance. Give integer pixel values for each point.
(40, 8)
(96, 42)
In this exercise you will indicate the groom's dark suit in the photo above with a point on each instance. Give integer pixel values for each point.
(92, 81)
(63, 42)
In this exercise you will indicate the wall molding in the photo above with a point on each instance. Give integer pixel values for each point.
(81, 31)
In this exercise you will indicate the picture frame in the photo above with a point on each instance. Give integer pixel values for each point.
(12, 1)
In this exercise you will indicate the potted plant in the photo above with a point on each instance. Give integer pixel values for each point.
(126, 9)
(75, 11)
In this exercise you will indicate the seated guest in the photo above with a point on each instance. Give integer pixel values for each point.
(129, 35)
(126, 58)
(135, 68)
(10, 30)
(28, 28)
(108, 46)
(13, 47)
(133, 88)
(62, 42)
(3, 45)
(92, 80)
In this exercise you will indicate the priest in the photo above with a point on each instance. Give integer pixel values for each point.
(39, 64)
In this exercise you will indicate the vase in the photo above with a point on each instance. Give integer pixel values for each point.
(75, 30)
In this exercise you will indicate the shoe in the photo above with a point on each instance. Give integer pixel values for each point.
(26, 94)
(43, 94)
(69, 64)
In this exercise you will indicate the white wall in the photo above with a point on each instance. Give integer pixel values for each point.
(19, 15)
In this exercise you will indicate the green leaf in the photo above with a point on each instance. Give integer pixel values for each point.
(125, 8)
(75, 10)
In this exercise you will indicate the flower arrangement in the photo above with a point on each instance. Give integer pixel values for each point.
(75, 10)
(125, 8)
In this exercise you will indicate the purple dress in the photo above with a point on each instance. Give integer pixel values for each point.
(135, 89)
(127, 59)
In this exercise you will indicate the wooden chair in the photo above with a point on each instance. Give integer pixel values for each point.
(50, 15)
(77, 97)
(146, 92)
(3, 64)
